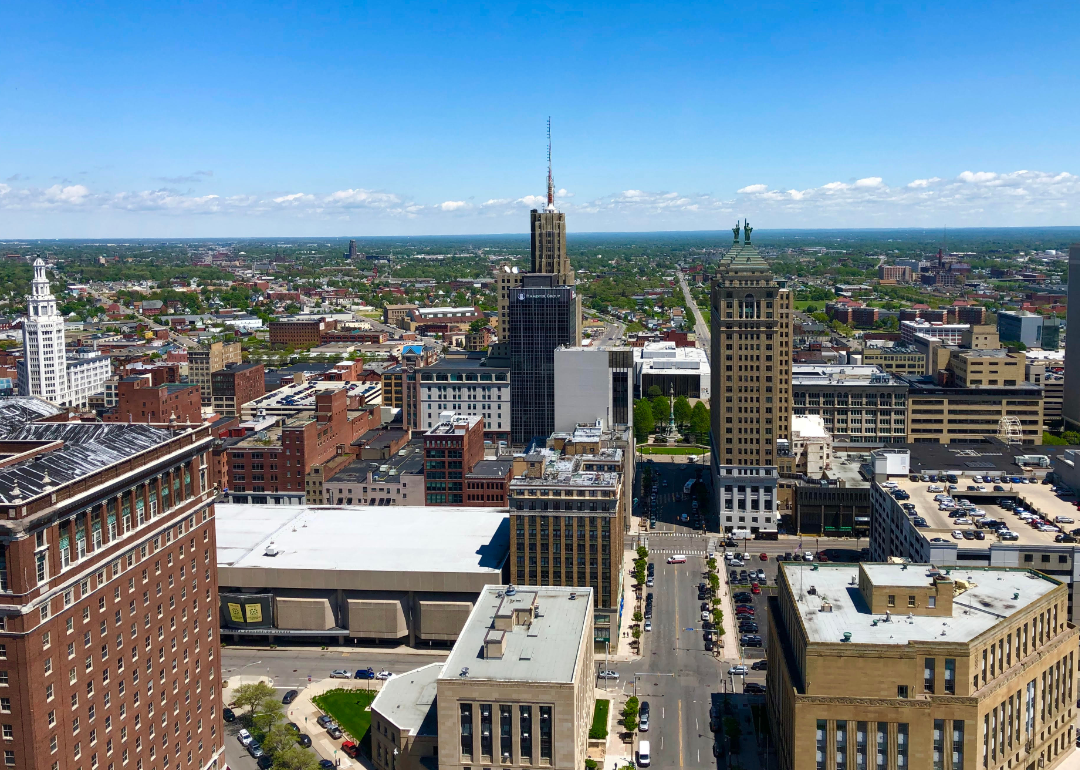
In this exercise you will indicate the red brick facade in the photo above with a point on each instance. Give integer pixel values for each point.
(139, 401)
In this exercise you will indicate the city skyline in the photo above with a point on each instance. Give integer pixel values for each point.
(276, 123)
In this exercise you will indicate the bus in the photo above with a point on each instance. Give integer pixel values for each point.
(689, 486)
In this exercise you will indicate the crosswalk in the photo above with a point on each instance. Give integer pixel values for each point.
(658, 532)
(673, 551)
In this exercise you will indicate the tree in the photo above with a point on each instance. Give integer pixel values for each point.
(295, 758)
(660, 409)
(278, 738)
(630, 714)
(249, 696)
(682, 410)
(699, 421)
(643, 420)
(655, 391)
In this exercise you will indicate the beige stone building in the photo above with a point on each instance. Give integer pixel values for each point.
(204, 361)
(516, 691)
(896, 666)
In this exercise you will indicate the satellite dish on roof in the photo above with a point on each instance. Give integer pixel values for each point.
(513, 270)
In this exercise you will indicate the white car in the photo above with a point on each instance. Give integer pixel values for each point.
(739, 670)
(648, 625)
(608, 674)
(244, 737)
(958, 534)
(737, 563)
(705, 616)
(383, 675)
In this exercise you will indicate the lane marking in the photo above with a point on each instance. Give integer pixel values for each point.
(682, 763)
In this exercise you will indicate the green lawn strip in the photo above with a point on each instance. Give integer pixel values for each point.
(599, 731)
(349, 708)
(648, 449)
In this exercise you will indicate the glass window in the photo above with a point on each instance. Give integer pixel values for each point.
(819, 738)
(841, 745)
(545, 733)
(939, 743)
(928, 674)
(860, 746)
(466, 730)
(882, 744)
(506, 733)
(485, 730)
(901, 746)
(958, 744)
(950, 676)
(525, 727)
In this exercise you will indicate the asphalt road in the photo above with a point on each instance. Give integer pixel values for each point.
(290, 668)
(702, 328)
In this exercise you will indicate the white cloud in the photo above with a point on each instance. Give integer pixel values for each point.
(971, 198)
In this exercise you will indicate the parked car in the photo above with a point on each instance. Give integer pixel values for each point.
(324, 720)
(265, 762)
(705, 616)
(760, 665)
(365, 673)
(228, 715)
(748, 627)
(755, 588)
(383, 675)
(739, 670)
(255, 750)
(648, 625)
(334, 732)
(607, 674)
(326, 764)
(764, 557)
(340, 673)
(244, 737)
(351, 749)
(289, 697)
(303, 740)
(750, 640)
(753, 688)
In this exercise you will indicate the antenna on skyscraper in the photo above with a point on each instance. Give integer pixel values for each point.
(551, 179)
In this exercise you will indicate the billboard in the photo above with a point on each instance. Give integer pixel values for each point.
(247, 610)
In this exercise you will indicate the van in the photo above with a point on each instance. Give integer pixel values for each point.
(643, 757)
(676, 560)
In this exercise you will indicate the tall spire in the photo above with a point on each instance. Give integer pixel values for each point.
(551, 179)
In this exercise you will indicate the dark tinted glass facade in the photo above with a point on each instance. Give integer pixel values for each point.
(542, 317)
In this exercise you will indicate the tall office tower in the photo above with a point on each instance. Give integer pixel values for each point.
(109, 599)
(204, 361)
(44, 370)
(351, 253)
(751, 386)
(1070, 407)
(543, 316)
(547, 250)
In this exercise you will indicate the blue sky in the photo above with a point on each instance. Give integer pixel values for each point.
(232, 119)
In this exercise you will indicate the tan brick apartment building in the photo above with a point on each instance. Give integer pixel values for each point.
(204, 361)
(235, 385)
(896, 666)
(109, 648)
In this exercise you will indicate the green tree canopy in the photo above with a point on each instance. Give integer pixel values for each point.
(661, 409)
(655, 391)
(699, 420)
(643, 420)
(682, 410)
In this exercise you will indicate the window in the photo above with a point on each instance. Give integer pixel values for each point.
(545, 733)
(466, 730)
(841, 745)
(892, 600)
(819, 743)
(901, 746)
(485, 730)
(928, 675)
(958, 744)
(911, 601)
(882, 744)
(901, 691)
(860, 746)
(525, 728)
(950, 676)
(506, 733)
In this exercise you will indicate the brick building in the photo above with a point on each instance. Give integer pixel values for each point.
(204, 361)
(235, 385)
(451, 449)
(488, 483)
(273, 465)
(108, 619)
(299, 331)
(138, 400)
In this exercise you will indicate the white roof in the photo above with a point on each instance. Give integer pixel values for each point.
(363, 538)
(808, 426)
(988, 600)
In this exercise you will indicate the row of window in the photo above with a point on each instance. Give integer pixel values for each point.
(527, 721)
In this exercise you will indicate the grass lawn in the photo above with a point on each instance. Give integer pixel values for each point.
(647, 449)
(598, 731)
(349, 708)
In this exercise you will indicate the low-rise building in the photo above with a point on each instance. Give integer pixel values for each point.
(1020, 326)
(397, 480)
(309, 570)
(949, 414)
(682, 370)
(900, 666)
(139, 401)
(516, 691)
(488, 484)
(898, 359)
(859, 404)
(451, 449)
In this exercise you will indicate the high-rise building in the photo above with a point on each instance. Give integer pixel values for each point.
(543, 316)
(593, 384)
(109, 606)
(451, 449)
(44, 370)
(751, 386)
(351, 253)
(204, 361)
(1070, 408)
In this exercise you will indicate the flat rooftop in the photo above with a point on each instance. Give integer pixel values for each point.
(407, 700)
(363, 538)
(545, 650)
(1039, 497)
(983, 598)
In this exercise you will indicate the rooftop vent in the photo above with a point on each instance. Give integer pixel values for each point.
(847, 636)
(464, 671)
(510, 590)
(572, 596)
(271, 551)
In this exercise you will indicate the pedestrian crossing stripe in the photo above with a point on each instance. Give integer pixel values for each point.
(666, 533)
(674, 551)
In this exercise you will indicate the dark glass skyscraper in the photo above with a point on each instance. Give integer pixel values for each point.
(543, 316)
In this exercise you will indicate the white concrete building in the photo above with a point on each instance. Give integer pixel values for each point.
(668, 366)
(593, 384)
(45, 370)
(811, 444)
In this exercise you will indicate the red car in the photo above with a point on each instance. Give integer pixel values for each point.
(764, 557)
(755, 588)
(744, 611)
(350, 748)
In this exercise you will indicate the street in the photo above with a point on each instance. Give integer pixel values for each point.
(702, 328)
